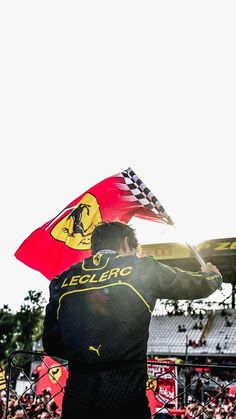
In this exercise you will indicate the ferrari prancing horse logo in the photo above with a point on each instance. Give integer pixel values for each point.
(76, 228)
(54, 373)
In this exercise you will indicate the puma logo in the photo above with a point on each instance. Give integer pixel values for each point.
(91, 348)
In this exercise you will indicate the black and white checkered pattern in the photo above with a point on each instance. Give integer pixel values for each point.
(142, 193)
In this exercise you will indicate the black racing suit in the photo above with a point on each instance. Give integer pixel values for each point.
(98, 319)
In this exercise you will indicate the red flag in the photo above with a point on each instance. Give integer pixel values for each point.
(65, 240)
(52, 378)
(162, 383)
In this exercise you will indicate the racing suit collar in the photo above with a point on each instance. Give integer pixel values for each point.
(105, 252)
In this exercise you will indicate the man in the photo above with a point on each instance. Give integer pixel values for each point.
(98, 319)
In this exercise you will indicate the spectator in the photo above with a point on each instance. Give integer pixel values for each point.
(228, 323)
(226, 342)
(163, 414)
(223, 312)
(192, 410)
(2, 409)
(201, 315)
(218, 347)
(200, 325)
(45, 415)
(181, 328)
(18, 413)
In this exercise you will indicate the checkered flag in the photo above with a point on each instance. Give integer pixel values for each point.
(150, 208)
(143, 194)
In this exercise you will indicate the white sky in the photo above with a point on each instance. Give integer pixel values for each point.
(89, 88)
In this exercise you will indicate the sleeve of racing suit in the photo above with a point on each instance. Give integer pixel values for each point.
(174, 283)
(52, 341)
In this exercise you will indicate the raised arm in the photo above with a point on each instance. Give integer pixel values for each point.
(174, 283)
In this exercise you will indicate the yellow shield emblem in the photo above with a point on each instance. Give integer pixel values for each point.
(76, 228)
(54, 373)
(151, 383)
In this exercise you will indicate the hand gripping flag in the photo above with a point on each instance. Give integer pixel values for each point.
(65, 240)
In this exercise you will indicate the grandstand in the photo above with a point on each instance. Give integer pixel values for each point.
(217, 334)
(214, 338)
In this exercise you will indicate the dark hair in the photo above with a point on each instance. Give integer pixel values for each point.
(109, 235)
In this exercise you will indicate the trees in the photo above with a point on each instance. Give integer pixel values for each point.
(7, 334)
(19, 331)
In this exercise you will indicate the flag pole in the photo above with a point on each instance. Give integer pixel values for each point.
(197, 255)
(191, 247)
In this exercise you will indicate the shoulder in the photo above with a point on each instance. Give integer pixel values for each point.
(145, 260)
(149, 261)
(146, 264)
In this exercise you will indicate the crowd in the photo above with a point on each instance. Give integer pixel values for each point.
(223, 407)
(29, 406)
(43, 407)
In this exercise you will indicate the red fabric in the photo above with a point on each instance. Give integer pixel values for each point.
(52, 377)
(232, 390)
(163, 383)
(65, 240)
(152, 401)
(177, 412)
(202, 369)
